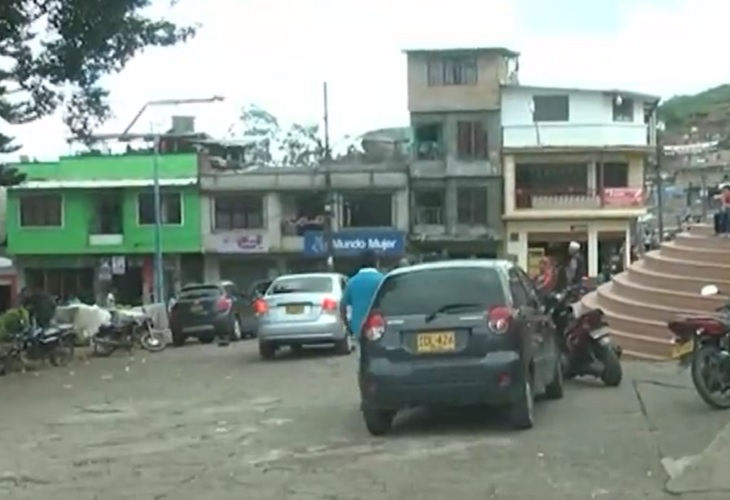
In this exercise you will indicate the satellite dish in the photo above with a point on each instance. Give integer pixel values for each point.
(5, 262)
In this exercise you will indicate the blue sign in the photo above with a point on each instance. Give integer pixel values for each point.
(382, 242)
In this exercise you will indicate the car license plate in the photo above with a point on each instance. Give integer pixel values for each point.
(683, 349)
(297, 309)
(196, 308)
(436, 342)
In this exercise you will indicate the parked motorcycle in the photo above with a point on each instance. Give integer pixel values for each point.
(128, 330)
(30, 342)
(587, 348)
(702, 343)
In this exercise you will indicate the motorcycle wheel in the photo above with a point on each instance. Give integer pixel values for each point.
(103, 349)
(153, 341)
(62, 354)
(612, 371)
(709, 355)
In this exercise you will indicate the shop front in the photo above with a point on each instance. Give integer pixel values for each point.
(348, 246)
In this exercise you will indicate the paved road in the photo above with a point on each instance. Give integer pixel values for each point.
(217, 423)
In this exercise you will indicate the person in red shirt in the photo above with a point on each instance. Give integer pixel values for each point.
(545, 279)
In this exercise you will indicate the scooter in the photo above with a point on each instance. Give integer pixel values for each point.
(587, 348)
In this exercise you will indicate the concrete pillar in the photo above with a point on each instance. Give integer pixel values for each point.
(592, 251)
(273, 216)
(211, 268)
(401, 210)
(508, 168)
(627, 246)
(451, 202)
(518, 248)
(592, 177)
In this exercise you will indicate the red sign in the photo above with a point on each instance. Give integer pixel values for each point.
(623, 197)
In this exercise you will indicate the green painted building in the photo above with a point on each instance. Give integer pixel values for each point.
(84, 224)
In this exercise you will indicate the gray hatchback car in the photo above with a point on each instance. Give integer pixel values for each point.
(470, 332)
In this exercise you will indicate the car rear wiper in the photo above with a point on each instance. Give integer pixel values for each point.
(449, 307)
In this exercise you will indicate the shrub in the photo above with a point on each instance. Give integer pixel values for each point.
(12, 321)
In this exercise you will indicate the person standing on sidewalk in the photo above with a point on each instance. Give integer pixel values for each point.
(359, 293)
(722, 218)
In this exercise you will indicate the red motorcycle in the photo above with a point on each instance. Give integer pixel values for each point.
(587, 347)
(702, 343)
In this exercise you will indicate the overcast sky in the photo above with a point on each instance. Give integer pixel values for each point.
(276, 53)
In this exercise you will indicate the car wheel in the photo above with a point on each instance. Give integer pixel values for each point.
(236, 333)
(178, 339)
(521, 412)
(344, 347)
(206, 339)
(554, 390)
(267, 350)
(378, 422)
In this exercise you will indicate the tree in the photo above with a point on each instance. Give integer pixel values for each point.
(55, 52)
(9, 176)
(294, 146)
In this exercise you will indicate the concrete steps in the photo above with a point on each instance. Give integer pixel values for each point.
(639, 302)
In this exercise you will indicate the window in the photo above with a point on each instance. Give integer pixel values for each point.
(614, 175)
(519, 294)
(623, 110)
(107, 217)
(452, 71)
(423, 292)
(471, 205)
(239, 212)
(428, 141)
(551, 108)
(429, 206)
(471, 141)
(564, 178)
(367, 209)
(301, 284)
(199, 292)
(41, 210)
(170, 208)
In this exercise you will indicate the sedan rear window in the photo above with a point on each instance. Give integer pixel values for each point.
(200, 292)
(308, 284)
(426, 291)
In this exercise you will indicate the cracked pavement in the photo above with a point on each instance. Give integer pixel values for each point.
(218, 423)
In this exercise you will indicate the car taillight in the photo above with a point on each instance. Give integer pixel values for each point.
(499, 319)
(260, 306)
(374, 327)
(329, 305)
(223, 304)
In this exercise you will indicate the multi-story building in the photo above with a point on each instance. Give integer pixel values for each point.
(573, 164)
(456, 185)
(86, 223)
(258, 222)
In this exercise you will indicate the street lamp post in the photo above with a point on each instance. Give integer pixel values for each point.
(159, 270)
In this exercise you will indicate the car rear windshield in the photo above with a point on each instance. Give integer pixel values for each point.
(200, 292)
(308, 284)
(426, 291)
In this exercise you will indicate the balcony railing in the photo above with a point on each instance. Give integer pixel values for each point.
(535, 135)
(577, 199)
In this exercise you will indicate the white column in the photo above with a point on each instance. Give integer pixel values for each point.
(211, 268)
(627, 247)
(518, 248)
(592, 251)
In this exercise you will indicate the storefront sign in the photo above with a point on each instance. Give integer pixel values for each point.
(236, 243)
(623, 197)
(382, 242)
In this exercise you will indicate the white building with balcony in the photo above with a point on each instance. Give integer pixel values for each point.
(573, 162)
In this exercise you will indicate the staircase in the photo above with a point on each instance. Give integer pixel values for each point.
(639, 302)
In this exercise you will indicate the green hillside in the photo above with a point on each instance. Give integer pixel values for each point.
(682, 110)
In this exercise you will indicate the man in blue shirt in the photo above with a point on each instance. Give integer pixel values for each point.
(360, 291)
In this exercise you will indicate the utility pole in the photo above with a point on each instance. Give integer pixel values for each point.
(659, 184)
(329, 195)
